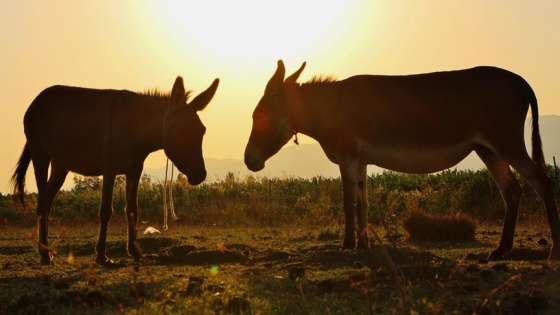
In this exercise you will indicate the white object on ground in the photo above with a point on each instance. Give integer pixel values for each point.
(151, 230)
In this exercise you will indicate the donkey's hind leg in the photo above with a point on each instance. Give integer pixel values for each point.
(511, 194)
(47, 192)
(541, 183)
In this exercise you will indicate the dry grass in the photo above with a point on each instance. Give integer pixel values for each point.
(424, 227)
(286, 270)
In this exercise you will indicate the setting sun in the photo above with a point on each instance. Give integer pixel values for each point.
(253, 32)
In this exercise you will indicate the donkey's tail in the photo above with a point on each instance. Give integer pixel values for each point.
(537, 154)
(18, 179)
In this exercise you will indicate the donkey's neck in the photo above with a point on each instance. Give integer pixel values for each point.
(313, 108)
(155, 128)
(145, 119)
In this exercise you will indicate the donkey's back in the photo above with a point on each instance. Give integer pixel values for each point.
(480, 90)
(59, 103)
(89, 130)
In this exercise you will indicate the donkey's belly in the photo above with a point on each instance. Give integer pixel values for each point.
(80, 164)
(416, 160)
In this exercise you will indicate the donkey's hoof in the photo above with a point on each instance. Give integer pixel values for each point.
(47, 261)
(111, 264)
(104, 261)
(135, 253)
(496, 255)
(348, 245)
(363, 244)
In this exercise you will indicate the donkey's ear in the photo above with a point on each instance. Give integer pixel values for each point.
(275, 83)
(178, 95)
(201, 100)
(293, 78)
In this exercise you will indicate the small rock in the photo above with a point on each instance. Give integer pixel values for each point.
(212, 288)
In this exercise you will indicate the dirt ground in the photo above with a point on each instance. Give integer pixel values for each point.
(213, 270)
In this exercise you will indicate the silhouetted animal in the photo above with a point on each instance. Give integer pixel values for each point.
(107, 132)
(412, 123)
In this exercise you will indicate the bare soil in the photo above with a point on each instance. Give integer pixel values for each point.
(214, 270)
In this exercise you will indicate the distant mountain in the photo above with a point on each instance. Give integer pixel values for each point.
(309, 160)
(550, 134)
(304, 160)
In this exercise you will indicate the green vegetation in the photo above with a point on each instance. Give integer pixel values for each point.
(271, 202)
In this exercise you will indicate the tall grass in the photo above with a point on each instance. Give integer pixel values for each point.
(263, 201)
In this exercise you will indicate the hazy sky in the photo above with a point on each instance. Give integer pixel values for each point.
(138, 45)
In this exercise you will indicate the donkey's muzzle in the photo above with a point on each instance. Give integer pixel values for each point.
(196, 172)
(253, 158)
(196, 180)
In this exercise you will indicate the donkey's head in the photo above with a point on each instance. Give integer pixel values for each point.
(183, 131)
(272, 128)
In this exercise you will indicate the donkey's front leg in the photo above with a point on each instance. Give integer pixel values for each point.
(105, 214)
(132, 179)
(349, 176)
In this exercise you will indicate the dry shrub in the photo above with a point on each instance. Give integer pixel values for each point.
(424, 227)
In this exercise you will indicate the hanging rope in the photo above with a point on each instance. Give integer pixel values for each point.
(172, 204)
(168, 189)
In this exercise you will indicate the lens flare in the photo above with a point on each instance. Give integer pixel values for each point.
(214, 270)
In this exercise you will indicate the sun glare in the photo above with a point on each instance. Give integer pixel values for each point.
(253, 31)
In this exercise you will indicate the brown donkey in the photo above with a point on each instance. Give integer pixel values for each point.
(107, 132)
(415, 124)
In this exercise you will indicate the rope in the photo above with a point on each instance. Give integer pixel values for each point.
(168, 190)
(165, 227)
(173, 215)
(296, 141)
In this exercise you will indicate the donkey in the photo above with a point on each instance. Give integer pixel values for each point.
(106, 133)
(419, 123)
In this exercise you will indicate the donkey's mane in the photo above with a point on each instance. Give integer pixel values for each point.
(321, 79)
(157, 93)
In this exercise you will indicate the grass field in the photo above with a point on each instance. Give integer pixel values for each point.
(290, 270)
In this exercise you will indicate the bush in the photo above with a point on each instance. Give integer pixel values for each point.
(424, 227)
(263, 201)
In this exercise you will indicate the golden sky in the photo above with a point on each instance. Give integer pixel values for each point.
(138, 45)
